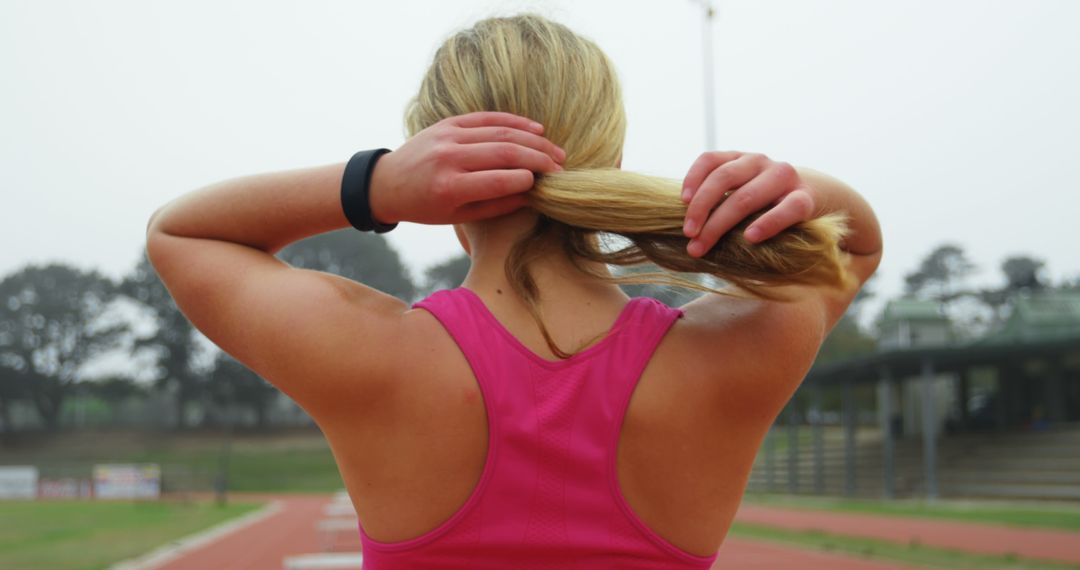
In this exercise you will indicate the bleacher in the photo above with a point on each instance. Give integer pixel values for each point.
(1029, 465)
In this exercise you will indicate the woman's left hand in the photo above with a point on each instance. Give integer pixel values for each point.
(461, 169)
(723, 188)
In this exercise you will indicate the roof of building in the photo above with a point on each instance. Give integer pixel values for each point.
(1044, 325)
(912, 310)
(1039, 316)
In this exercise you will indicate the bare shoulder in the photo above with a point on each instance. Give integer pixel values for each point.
(757, 351)
(337, 341)
(386, 346)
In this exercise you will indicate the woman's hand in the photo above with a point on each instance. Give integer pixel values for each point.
(462, 169)
(723, 188)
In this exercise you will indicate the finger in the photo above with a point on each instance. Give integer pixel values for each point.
(798, 206)
(497, 119)
(747, 199)
(710, 194)
(503, 155)
(492, 208)
(470, 187)
(511, 135)
(701, 168)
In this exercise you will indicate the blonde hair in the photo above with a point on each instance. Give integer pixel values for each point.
(536, 68)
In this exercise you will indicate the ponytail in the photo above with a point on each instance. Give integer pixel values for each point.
(579, 207)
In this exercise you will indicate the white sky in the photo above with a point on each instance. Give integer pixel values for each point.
(956, 119)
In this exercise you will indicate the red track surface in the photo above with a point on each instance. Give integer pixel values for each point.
(265, 544)
(1056, 545)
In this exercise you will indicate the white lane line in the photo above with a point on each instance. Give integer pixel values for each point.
(181, 546)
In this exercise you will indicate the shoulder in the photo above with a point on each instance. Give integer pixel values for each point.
(342, 338)
(755, 351)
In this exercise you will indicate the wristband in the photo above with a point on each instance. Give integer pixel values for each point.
(355, 191)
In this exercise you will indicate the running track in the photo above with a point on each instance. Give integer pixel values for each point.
(264, 544)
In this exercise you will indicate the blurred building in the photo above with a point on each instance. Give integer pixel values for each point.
(931, 415)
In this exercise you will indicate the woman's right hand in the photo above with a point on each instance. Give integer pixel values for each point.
(723, 188)
(461, 169)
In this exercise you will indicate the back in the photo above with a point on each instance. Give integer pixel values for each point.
(549, 494)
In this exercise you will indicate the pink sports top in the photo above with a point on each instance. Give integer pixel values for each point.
(548, 496)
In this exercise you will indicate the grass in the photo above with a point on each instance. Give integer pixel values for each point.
(85, 535)
(1052, 516)
(276, 462)
(914, 554)
(258, 469)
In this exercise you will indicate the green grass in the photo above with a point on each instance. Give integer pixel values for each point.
(84, 535)
(275, 462)
(1054, 516)
(259, 470)
(914, 554)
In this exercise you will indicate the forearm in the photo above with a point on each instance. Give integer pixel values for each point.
(832, 195)
(263, 211)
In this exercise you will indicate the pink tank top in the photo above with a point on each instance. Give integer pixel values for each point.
(548, 496)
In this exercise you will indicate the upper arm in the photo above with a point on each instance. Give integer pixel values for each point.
(766, 347)
(318, 337)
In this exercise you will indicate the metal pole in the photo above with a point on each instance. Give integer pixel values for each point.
(793, 449)
(849, 437)
(770, 452)
(819, 440)
(888, 445)
(707, 62)
(221, 480)
(929, 429)
(710, 82)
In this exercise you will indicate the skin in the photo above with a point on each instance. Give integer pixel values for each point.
(392, 392)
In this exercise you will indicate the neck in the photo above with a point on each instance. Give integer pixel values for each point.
(554, 273)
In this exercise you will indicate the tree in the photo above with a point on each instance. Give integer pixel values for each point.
(941, 274)
(115, 389)
(363, 257)
(50, 315)
(448, 274)
(847, 339)
(942, 277)
(13, 385)
(234, 383)
(1023, 273)
(174, 340)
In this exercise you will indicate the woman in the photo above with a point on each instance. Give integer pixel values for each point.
(536, 416)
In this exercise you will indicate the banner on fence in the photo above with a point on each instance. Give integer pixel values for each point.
(67, 488)
(127, 481)
(18, 482)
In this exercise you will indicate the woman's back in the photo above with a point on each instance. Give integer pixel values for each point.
(682, 457)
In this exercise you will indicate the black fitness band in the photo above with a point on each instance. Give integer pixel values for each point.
(355, 191)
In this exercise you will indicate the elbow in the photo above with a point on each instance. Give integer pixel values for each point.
(154, 234)
(150, 223)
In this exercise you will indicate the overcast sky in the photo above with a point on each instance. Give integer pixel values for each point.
(958, 120)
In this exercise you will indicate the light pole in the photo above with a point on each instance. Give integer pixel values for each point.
(221, 479)
(707, 58)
